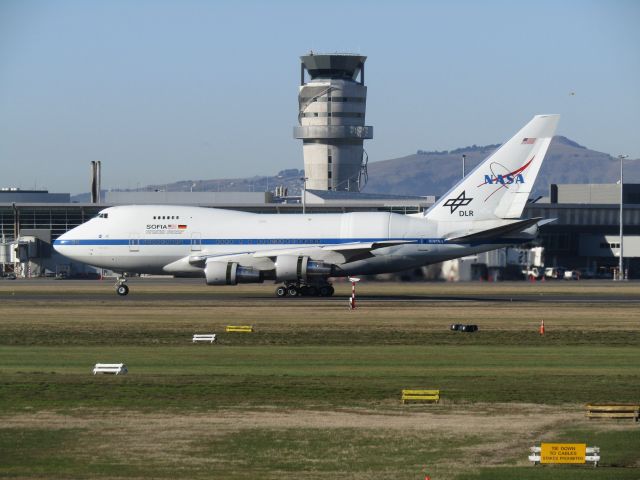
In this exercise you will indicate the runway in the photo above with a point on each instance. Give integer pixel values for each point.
(193, 290)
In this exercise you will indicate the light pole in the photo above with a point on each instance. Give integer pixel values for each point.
(464, 159)
(621, 259)
(304, 194)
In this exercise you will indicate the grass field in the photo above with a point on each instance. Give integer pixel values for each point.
(315, 391)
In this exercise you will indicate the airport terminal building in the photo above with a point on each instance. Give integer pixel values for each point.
(584, 236)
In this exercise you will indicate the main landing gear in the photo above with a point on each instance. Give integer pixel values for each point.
(121, 286)
(304, 290)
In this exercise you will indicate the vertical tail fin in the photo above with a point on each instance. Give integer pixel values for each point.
(500, 186)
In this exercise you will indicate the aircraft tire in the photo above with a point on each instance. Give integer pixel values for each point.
(281, 291)
(292, 291)
(122, 290)
(312, 291)
(323, 291)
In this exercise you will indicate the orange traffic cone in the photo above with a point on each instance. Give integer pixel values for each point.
(542, 327)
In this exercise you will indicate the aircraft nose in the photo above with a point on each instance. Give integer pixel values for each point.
(63, 243)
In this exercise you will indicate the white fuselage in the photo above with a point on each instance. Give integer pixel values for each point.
(148, 239)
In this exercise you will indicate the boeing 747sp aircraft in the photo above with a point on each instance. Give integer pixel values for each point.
(482, 212)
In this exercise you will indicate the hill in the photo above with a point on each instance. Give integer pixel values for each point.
(433, 172)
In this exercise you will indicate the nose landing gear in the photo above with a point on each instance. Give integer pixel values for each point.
(122, 289)
(304, 290)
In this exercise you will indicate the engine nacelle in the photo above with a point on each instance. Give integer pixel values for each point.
(230, 273)
(294, 268)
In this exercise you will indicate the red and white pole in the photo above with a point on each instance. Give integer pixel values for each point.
(352, 300)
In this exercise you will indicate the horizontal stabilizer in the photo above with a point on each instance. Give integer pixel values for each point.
(500, 231)
(546, 221)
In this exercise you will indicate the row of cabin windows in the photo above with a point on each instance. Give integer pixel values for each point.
(167, 241)
(166, 217)
(291, 240)
(609, 245)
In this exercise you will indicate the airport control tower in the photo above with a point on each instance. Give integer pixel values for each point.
(331, 117)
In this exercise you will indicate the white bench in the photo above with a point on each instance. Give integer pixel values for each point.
(204, 337)
(112, 368)
(592, 455)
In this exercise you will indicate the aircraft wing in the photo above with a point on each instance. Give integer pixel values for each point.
(349, 251)
(496, 232)
(264, 259)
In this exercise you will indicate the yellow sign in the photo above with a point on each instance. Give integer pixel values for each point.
(563, 452)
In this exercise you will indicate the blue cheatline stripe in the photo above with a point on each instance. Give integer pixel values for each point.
(271, 241)
(236, 241)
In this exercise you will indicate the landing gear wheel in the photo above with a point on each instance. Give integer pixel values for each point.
(331, 291)
(324, 291)
(292, 291)
(312, 291)
(122, 290)
(281, 291)
(304, 291)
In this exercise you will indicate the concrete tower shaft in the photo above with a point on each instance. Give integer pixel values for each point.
(331, 117)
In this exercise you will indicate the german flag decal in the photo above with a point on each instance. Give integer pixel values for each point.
(182, 227)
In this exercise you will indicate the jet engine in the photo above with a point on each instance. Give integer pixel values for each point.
(230, 273)
(294, 268)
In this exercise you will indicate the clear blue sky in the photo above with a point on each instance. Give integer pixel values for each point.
(169, 90)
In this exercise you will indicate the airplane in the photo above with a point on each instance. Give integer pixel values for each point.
(481, 212)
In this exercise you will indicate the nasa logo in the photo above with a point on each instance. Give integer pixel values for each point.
(503, 179)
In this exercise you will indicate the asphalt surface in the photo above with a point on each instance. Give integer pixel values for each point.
(217, 295)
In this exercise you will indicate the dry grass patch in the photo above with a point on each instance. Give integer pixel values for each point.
(457, 437)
